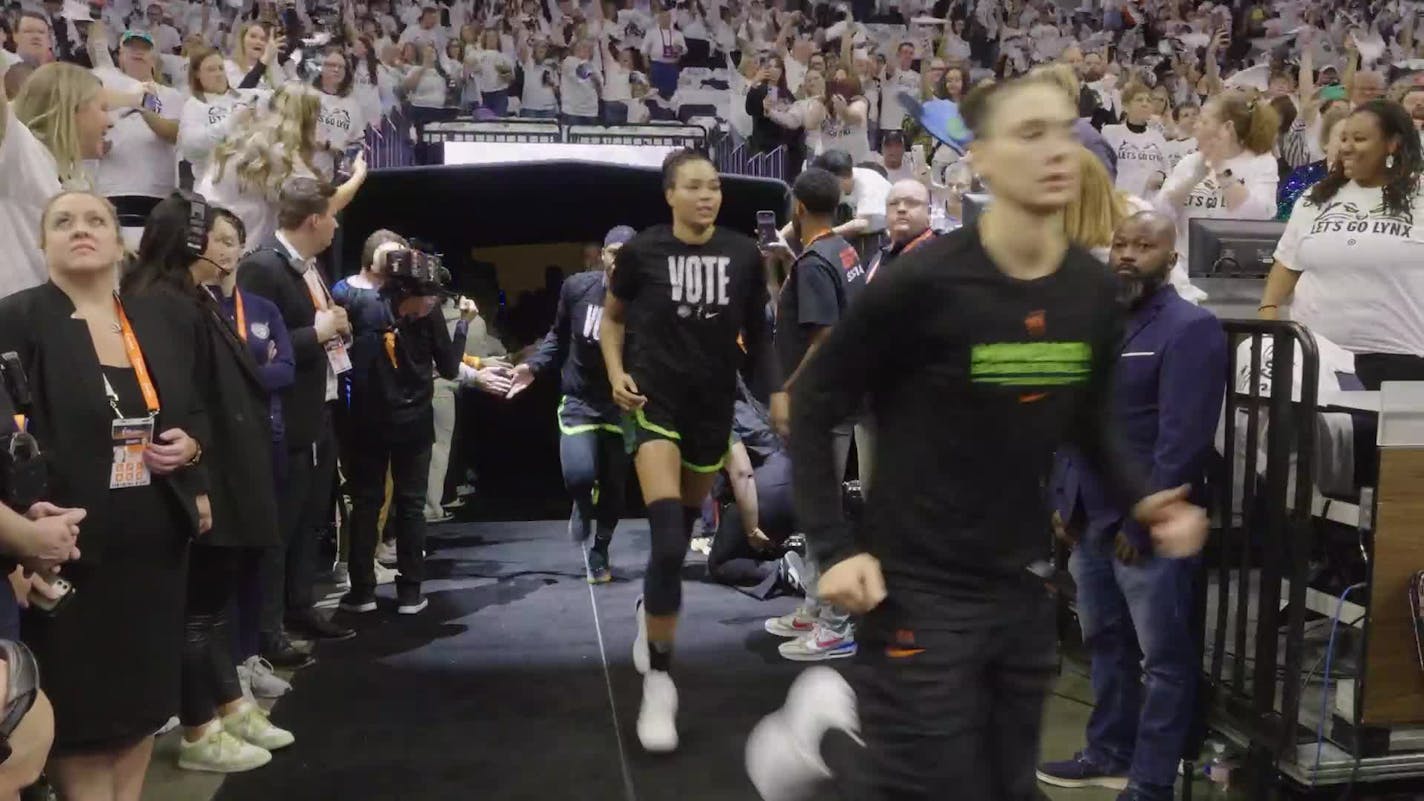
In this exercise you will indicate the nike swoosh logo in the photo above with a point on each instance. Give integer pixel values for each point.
(1032, 397)
(903, 653)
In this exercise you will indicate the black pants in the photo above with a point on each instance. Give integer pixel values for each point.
(956, 714)
(595, 466)
(289, 571)
(209, 669)
(409, 465)
(1374, 369)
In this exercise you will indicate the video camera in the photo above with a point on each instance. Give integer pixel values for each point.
(23, 480)
(411, 272)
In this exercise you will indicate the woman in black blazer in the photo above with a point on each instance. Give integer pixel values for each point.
(101, 365)
(223, 731)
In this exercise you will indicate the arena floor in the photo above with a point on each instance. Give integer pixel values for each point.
(516, 684)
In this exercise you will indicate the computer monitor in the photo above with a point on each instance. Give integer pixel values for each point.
(972, 204)
(1232, 248)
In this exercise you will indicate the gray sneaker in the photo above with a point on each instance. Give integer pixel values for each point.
(260, 680)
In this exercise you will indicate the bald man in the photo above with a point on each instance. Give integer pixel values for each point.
(1134, 605)
(907, 221)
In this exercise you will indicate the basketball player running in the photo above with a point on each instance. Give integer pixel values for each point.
(591, 451)
(681, 294)
(981, 352)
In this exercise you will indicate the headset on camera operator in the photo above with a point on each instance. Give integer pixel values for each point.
(399, 342)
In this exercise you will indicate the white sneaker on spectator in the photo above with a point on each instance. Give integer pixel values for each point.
(386, 553)
(166, 727)
(821, 644)
(795, 624)
(657, 717)
(464, 489)
(260, 680)
(385, 575)
(250, 724)
(442, 517)
(220, 752)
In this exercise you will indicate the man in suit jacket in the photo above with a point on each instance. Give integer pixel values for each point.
(1134, 606)
(283, 270)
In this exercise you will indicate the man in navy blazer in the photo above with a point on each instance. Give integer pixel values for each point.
(1135, 607)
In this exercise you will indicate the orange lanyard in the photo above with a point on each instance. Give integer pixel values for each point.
(909, 246)
(319, 300)
(145, 382)
(241, 316)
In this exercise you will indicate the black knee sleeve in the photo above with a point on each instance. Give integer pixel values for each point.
(662, 584)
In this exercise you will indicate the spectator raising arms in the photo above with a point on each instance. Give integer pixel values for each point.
(59, 119)
(264, 150)
(1232, 175)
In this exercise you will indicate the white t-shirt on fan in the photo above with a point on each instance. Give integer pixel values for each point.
(342, 121)
(31, 179)
(892, 114)
(139, 163)
(579, 95)
(204, 124)
(1139, 156)
(1361, 270)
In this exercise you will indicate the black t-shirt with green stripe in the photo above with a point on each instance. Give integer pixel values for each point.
(975, 379)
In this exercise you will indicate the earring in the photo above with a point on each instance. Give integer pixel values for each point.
(1389, 162)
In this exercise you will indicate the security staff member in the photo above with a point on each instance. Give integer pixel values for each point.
(1133, 604)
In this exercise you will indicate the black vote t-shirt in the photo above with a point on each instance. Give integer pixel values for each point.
(817, 290)
(686, 306)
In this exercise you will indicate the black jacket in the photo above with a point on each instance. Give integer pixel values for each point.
(71, 417)
(238, 454)
(268, 271)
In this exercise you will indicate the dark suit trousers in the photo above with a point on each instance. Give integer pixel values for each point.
(289, 571)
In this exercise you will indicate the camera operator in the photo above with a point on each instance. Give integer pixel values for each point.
(399, 342)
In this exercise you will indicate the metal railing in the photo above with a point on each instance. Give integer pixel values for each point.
(391, 143)
(1260, 546)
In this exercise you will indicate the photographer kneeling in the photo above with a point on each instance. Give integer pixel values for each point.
(399, 342)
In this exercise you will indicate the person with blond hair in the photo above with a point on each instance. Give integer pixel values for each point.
(1233, 174)
(1100, 207)
(58, 120)
(266, 149)
(1066, 78)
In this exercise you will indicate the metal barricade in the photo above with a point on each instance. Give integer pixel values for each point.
(1260, 546)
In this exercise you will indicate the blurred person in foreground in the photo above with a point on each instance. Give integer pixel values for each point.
(1022, 330)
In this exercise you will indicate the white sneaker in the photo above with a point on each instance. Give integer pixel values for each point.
(260, 680)
(795, 624)
(657, 717)
(386, 553)
(385, 575)
(220, 752)
(819, 645)
(166, 727)
(252, 726)
(642, 660)
(784, 750)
